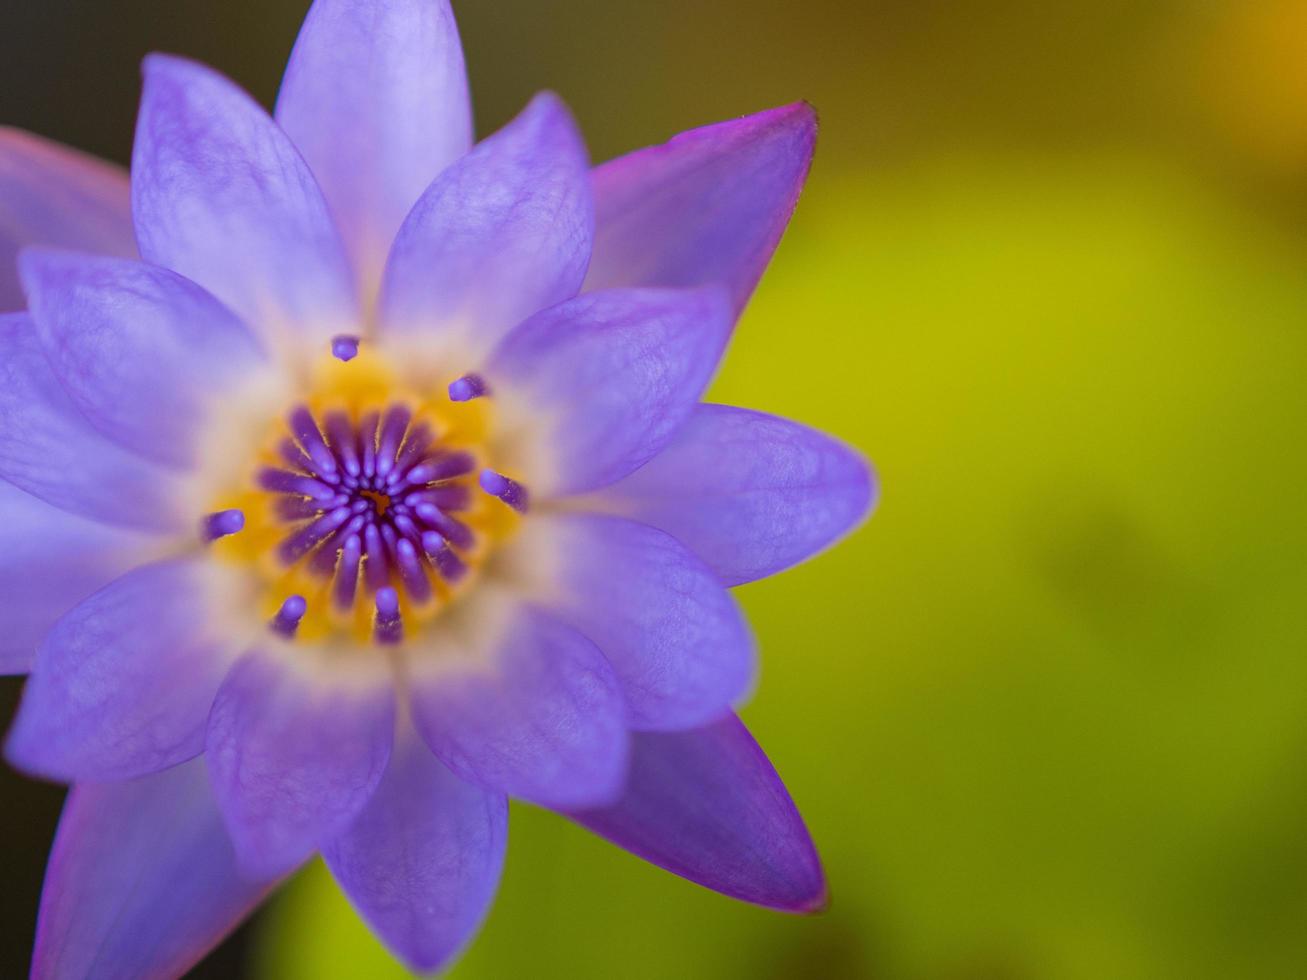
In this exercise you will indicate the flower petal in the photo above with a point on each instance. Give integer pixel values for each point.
(534, 711)
(674, 635)
(142, 880)
(609, 377)
(709, 206)
(422, 860)
(708, 806)
(221, 196)
(502, 233)
(294, 756)
(49, 449)
(50, 561)
(54, 195)
(375, 97)
(122, 684)
(751, 494)
(139, 349)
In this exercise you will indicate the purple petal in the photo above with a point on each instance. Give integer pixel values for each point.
(422, 860)
(539, 715)
(51, 561)
(709, 206)
(221, 196)
(49, 449)
(502, 233)
(142, 880)
(749, 493)
(122, 684)
(294, 756)
(708, 806)
(612, 375)
(675, 637)
(375, 97)
(53, 195)
(139, 349)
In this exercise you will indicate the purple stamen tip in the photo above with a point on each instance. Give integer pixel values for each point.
(289, 615)
(388, 627)
(387, 602)
(344, 347)
(223, 523)
(509, 491)
(467, 387)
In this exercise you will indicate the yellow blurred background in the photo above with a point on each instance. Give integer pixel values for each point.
(1046, 714)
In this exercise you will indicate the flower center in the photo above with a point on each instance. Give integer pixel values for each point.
(372, 500)
(369, 508)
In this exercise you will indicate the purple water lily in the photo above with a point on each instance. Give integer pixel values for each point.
(354, 479)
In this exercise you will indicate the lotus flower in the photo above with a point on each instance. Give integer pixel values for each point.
(354, 478)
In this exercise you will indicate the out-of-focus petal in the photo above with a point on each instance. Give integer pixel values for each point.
(709, 206)
(674, 635)
(749, 493)
(295, 752)
(122, 684)
(375, 97)
(422, 860)
(140, 350)
(606, 379)
(707, 805)
(534, 711)
(54, 195)
(142, 881)
(48, 448)
(49, 562)
(502, 233)
(220, 195)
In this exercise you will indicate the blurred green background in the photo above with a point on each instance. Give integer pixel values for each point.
(1046, 714)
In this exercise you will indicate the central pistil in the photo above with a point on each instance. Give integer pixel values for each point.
(380, 501)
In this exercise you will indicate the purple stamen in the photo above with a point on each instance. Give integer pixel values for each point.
(347, 573)
(345, 347)
(368, 443)
(416, 445)
(340, 435)
(388, 628)
(281, 481)
(451, 465)
(299, 544)
(377, 570)
(288, 617)
(509, 491)
(392, 435)
(456, 531)
(411, 571)
(223, 523)
(293, 455)
(447, 563)
(310, 438)
(468, 387)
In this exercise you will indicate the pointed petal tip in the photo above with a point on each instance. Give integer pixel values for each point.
(801, 114)
(819, 900)
(708, 205)
(707, 805)
(869, 489)
(157, 61)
